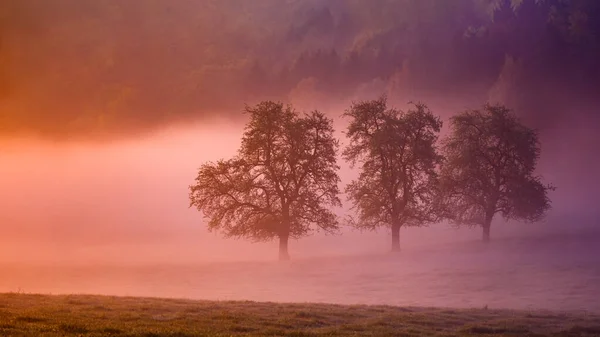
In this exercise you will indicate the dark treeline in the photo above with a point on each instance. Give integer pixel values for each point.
(283, 182)
(77, 66)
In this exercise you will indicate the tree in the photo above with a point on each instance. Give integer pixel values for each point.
(398, 157)
(490, 168)
(282, 182)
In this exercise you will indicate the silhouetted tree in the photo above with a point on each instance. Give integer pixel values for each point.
(490, 168)
(397, 155)
(282, 182)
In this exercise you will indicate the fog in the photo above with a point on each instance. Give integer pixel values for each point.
(127, 201)
(123, 202)
(107, 109)
(113, 218)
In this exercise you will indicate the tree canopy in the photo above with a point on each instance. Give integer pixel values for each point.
(489, 168)
(398, 160)
(283, 182)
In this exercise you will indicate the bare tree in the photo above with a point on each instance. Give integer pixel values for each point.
(398, 159)
(490, 168)
(280, 185)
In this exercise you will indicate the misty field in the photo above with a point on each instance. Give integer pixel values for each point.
(560, 273)
(82, 315)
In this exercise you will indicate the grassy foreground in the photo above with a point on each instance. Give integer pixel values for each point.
(81, 315)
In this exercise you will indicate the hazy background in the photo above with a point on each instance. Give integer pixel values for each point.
(127, 201)
(107, 108)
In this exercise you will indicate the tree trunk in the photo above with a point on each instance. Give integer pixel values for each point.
(486, 228)
(283, 247)
(284, 233)
(395, 238)
(486, 233)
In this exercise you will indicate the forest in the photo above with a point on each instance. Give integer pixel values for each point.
(73, 68)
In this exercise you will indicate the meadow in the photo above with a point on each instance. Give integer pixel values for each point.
(528, 286)
(85, 315)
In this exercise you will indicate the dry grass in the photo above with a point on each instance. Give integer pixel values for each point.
(81, 315)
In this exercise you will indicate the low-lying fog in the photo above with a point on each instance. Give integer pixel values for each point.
(114, 219)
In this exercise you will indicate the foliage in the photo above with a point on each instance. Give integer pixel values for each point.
(282, 182)
(397, 155)
(490, 168)
(178, 58)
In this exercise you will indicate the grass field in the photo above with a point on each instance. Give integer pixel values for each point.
(83, 315)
